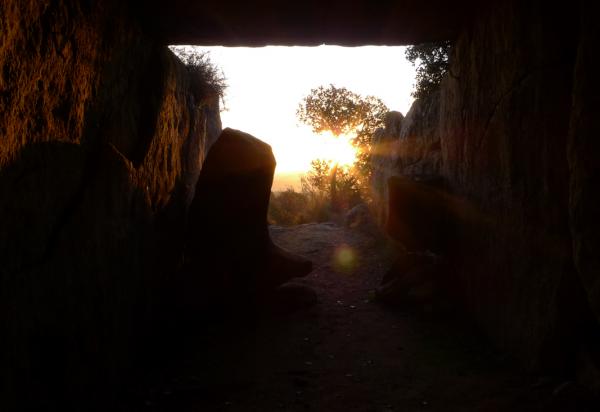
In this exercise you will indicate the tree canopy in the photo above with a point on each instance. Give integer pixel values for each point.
(431, 60)
(341, 111)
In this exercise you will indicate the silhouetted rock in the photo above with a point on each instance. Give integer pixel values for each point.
(228, 248)
(291, 297)
(421, 216)
(284, 265)
(412, 281)
(360, 218)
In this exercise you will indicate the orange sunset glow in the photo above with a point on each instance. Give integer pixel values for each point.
(266, 84)
(337, 149)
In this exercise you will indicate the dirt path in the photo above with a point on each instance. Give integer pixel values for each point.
(346, 353)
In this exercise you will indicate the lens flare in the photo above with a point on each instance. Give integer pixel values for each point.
(344, 259)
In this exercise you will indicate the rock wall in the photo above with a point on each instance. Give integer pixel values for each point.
(407, 146)
(101, 144)
(584, 198)
(515, 127)
(504, 125)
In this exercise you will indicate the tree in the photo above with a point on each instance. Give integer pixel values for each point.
(316, 181)
(431, 60)
(341, 111)
(330, 186)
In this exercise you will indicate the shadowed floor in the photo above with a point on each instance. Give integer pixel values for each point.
(345, 353)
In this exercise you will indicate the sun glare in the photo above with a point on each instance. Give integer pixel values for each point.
(295, 153)
(338, 149)
(266, 84)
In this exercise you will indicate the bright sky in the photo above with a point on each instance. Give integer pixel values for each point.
(266, 84)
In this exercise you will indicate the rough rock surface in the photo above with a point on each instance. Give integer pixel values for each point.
(418, 153)
(519, 102)
(584, 197)
(101, 143)
(504, 128)
(408, 146)
(584, 147)
(383, 162)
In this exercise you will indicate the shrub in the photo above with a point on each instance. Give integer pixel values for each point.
(288, 208)
(207, 79)
(319, 201)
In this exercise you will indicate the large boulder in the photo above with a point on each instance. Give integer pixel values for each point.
(422, 216)
(229, 251)
(406, 146)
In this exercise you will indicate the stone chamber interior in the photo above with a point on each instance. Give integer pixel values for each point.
(132, 225)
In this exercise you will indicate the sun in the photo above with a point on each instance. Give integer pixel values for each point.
(338, 149)
(294, 155)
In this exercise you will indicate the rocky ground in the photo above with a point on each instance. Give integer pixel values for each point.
(346, 352)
